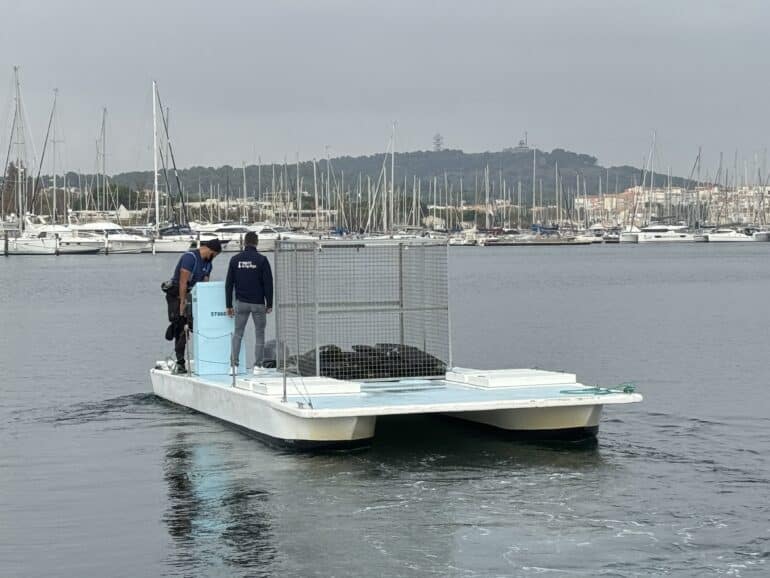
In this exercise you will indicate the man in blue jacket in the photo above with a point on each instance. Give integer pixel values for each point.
(193, 267)
(249, 275)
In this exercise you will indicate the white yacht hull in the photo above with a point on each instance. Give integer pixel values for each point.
(166, 245)
(21, 246)
(266, 243)
(762, 236)
(79, 245)
(46, 246)
(728, 239)
(128, 246)
(669, 237)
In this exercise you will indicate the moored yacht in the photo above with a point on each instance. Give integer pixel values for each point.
(180, 238)
(114, 238)
(45, 244)
(269, 234)
(659, 234)
(629, 234)
(42, 238)
(726, 235)
(230, 234)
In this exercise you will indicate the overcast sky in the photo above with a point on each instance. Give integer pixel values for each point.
(279, 78)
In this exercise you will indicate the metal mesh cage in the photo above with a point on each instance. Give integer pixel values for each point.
(375, 310)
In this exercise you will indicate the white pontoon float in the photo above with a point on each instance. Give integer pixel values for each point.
(363, 331)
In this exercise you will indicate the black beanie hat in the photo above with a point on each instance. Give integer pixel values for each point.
(214, 245)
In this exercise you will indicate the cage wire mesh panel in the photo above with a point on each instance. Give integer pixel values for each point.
(362, 311)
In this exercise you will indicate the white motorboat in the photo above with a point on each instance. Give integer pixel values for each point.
(629, 234)
(269, 234)
(726, 235)
(659, 234)
(44, 243)
(173, 244)
(232, 234)
(179, 238)
(612, 236)
(533, 239)
(42, 238)
(115, 239)
(465, 238)
(375, 295)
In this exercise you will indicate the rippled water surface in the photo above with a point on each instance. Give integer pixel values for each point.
(100, 478)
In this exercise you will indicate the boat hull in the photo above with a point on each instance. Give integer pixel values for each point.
(568, 422)
(31, 247)
(665, 238)
(40, 246)
(128, 247)
(79, 247)
(128, 244)
(730, 239)
(172, 245)
(261, 416)
(339, 419)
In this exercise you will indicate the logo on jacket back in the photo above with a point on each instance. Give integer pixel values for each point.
(246, 265)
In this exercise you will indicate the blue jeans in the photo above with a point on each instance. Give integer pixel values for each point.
(257, 312)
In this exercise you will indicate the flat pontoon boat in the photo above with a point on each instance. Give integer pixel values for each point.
(362, 332)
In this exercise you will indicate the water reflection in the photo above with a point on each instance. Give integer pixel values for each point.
(213, 516)
(184, 505)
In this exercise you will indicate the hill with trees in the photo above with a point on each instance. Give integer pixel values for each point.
(457, 169)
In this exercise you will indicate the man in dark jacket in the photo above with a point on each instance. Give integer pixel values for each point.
(249, 275)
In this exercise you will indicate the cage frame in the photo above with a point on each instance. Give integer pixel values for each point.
(316, 246)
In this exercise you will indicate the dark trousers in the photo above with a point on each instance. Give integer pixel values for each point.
(172, 300)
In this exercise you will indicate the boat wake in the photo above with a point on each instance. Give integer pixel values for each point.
(120, 412)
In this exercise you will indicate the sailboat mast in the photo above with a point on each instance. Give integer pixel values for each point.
(556, 192)
(315, 194)
(299, 197)
(652, 178)
(18, 119)
(385, 192)
(534, 174)
(487, 224)
(244, 192)
(155, 156)
(53, 167)
(105, 203)
(392, 172)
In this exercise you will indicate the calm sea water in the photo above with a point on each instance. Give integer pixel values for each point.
(100, 478)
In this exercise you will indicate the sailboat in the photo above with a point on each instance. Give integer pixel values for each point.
(37, 236)
(176, 238)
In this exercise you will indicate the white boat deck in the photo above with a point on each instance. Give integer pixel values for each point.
(331, 398)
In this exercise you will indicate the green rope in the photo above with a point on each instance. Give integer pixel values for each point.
(627, 387)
